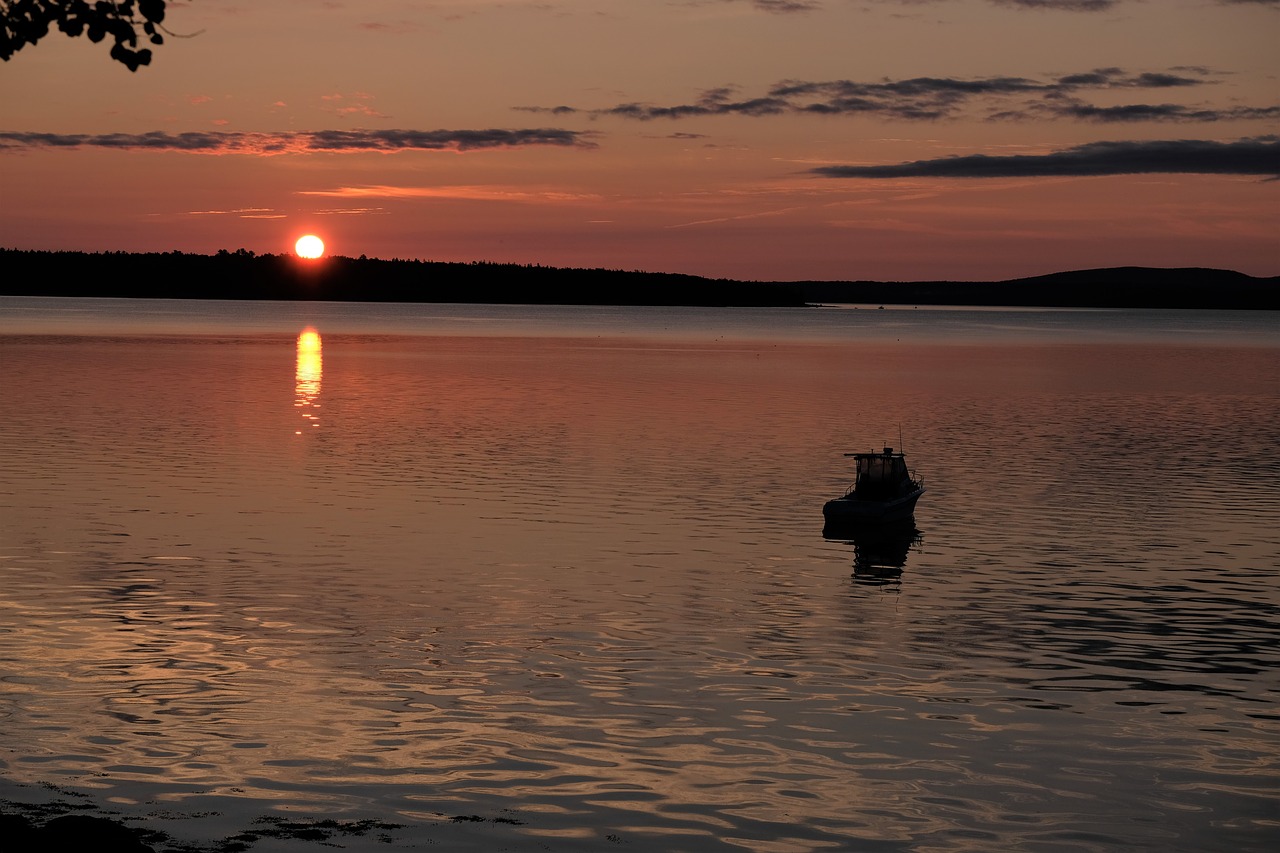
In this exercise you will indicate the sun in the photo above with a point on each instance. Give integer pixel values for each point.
(309, 246)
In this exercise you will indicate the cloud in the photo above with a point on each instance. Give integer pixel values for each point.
(303, 142)
(1085, 5)
(1260, 156)
(762, 214)
(247, 212)
(1116, 78)
(782, 7)
(561, 110)
(1157, 112)
(400, 27)
(1064, 5)
(360, 109)
(468, 192)
(785, 7)
(915, 98)
(354, 211)
(712, 102)
(1001, 98)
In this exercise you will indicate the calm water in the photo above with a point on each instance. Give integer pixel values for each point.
(567, 566)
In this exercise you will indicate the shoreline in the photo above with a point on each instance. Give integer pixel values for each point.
(243, 275)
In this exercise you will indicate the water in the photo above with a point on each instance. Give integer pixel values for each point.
(566, 567)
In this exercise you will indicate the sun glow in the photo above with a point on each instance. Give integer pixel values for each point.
(310, 368)
(309, 246)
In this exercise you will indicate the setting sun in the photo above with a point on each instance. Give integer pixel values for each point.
(309, 246)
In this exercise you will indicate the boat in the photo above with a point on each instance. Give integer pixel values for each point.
(884, 491)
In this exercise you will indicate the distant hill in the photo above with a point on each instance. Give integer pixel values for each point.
(1114, 287)
(244, 275)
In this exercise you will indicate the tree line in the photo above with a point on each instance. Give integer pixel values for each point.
(242, 274)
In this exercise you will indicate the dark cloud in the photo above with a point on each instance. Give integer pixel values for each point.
(1259, 156)
(711, 103)
(783, 7)
(938, 98)
(1066, 5)
(555, 111)
(1102, 5)
(1116, 78)
(1080, 5)
(303, 142)
(917, 98)
(1159, 112)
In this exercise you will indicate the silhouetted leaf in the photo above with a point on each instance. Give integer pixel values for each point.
(152, 10)
(24, 22)
(131, 58)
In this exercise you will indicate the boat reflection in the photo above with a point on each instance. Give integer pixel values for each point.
(879, 550)
(306, 395)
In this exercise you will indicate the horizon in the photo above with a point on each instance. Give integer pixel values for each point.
(327, 255)
(752, 140)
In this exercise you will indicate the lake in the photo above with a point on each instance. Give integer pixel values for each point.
(561, 572)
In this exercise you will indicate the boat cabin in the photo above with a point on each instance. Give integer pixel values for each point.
(880, 475)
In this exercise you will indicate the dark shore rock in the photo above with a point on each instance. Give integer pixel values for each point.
(69, 832)
(17, 833)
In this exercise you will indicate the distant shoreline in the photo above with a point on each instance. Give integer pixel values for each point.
(242, 275)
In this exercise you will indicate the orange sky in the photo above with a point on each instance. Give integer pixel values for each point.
(756, 139)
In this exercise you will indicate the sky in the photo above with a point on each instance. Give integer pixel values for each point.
(747, 139)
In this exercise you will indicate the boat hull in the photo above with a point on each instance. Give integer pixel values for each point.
(850, 510)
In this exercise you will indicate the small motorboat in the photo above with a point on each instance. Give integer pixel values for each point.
(884, 491)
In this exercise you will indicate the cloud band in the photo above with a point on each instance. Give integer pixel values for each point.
(303, 142)
(1259, 156)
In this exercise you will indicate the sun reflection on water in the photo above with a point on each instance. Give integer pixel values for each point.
(307, 378)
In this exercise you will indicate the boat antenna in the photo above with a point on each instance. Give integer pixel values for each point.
(901, 449)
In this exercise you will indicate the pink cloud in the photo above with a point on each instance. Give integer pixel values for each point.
(361, 109)
(474, 193)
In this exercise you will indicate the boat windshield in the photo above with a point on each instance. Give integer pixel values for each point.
(880, 472)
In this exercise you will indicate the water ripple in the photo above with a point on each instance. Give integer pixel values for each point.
(584, 582)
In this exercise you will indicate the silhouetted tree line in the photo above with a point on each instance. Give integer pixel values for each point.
(243, 275)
